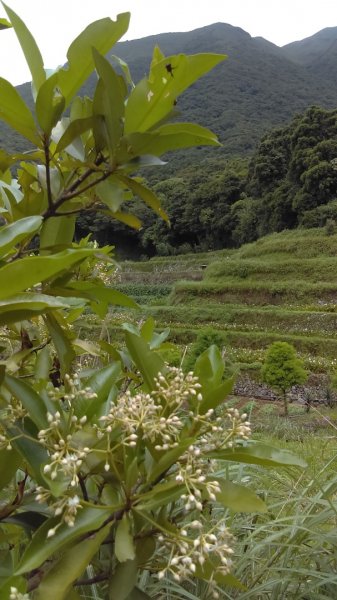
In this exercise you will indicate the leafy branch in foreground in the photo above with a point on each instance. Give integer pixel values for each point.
(109, 470)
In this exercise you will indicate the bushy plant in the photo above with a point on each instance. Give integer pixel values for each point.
(109, 470)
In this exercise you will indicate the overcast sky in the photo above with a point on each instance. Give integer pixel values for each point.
(54, 24)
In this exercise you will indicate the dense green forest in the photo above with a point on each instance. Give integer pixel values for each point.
(290, 181)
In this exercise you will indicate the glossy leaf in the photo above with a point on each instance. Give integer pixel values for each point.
(57, 582)
(110, 101)
(20, 275)
(153, 99)
(160, 495)
(24, 306)
(30, 399)
(239, 498)
(126, 218)
(15, 112)
(209, 367)
(123, 580)
(57, 232)
(101, 383)
(12, 234)
(124, 545)
(49, 104)
(4, 24)
(259, 454)
(62, 343)
(167, 459)
(145, 194)
(100, 293)
(170, 137)
(31, 451)
(29, 48)
(10, 461)
(148, 362)
(73, 131)
(42, 547)
(214, 396)
(209, 572)
(102, 35)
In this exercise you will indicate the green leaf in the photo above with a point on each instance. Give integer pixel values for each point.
(24, 306)
(49, 104)
(73, 131)
(57, 582)
(209, 368)
(12, 234)
(168, 459)
(15, 112)
(31, 451)
(145, 194)
(215, 396)
(160, 495)
(148, 362)
(10, 461)
(57, 232)
(62, 343)
(30, 399)
(100, 293)
(239, 498)
(88, 519)
(259, 454)
(147, 330)
(4, 24)
(102, 35)
(170, 137)
(110, 101)
(123, 580)
(124, 546)
(20, 275)
(29, 48)
(126, 218)
(153, 99)
(101, 383)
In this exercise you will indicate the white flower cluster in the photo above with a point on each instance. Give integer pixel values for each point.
(65, 456)
(16, 595)
(67, 506)
(158, 416)
(192, 547)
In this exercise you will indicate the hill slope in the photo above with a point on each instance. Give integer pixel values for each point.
(259, 86)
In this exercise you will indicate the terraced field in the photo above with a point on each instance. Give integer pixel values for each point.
(282, 287)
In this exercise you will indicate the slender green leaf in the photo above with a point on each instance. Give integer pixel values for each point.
(15, 112)
(126, 218)
(57, 582)
(88, 519)
(62, 343)
(30, 399)
(145, 194)
(153, 99)
(111, 101)
(24, 306)
(4, 24)
(209, 572)
(259, 454)
(29, 48)
(209, 367)
(215, 396)
(124, 545)
(160, 495)
(20, 275)
(57, 232)
(10, 461)
(123, 580)
(239, 498)
(33, 454)
(73, 131)
(170, 137)
(168, 459)
(102, 35)
(49, 104)
(101, 383)
(148, 362)
(12, 234)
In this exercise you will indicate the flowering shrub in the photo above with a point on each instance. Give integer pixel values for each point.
(109, 471)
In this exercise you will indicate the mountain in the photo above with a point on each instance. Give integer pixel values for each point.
(259, 86)
(317, 54)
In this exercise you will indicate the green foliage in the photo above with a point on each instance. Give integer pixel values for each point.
(104, 450)
(282, 369)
